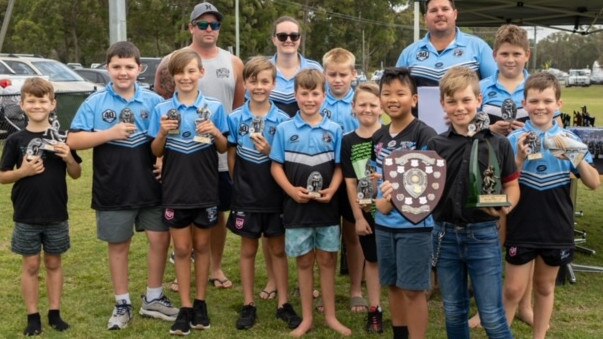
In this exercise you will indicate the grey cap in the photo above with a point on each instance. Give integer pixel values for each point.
(205, 8)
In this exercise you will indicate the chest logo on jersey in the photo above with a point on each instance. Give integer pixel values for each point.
(541, 168)
(458, 52)
(294, 138)
(243, 129)
(439, 65)
(327, 138)
(272, 130)
(109, 116)
(327, 113)
(187, 134)
(391, 144)
(144, 115)
(492, 94)
(422, 55)
(222, 73)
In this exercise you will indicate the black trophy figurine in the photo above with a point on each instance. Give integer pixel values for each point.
(53, 134)
(314, 184)
(173, 114)
(204, 114)
(534, 144)
(485, 188)
(508, 110)
(257, 126)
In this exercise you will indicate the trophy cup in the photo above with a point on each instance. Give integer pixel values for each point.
(314, 184)
(257, 126)
(417, 179)
(364, 191)
(54, 133)
(204, 115)
(508, 110)
(485, 187)
(534, 146)
(173, 114)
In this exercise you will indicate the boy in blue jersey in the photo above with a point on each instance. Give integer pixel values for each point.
(188, 130)
(36, 163)
(540, 237)
(339, 65)
(114, 122)
(257, 202)
(356, 149)
(403, 248)
(305, 163)
(465, 240)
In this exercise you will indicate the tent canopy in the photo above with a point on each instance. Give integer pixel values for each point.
(580, 15)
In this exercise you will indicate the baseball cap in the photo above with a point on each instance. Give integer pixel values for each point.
(205, 8)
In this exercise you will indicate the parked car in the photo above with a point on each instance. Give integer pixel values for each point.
(98, 76)
(578, 77)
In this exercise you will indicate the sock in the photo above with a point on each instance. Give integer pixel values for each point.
(121, 298)
(34, 325)
(55, 321)
(400, 332)
(154, 293)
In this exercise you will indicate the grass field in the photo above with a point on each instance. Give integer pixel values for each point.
(88, 299)
(576, 97)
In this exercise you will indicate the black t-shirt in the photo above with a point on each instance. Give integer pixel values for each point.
(41, 198)
(355, 154)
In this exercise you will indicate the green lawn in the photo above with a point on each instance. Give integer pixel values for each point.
(88, 299)
(576, 97)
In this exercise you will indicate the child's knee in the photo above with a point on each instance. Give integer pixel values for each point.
(326, 259)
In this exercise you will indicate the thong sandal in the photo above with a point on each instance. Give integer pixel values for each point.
(358, 302)
(221, 284)
(267, 295)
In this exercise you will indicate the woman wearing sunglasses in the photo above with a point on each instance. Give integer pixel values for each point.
(286, 38)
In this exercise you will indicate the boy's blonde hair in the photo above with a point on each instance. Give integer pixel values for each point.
(37, 87)
(181, 58)
(368, 87)
(540, 82)
(457, 79)
(257, 64)
(340, 56)
(513, 35)
(310, 79)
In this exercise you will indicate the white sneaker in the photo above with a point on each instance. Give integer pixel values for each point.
(121, 317)
(161, 308)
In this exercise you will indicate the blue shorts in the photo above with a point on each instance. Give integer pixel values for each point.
(118, 226)
(300, 241)
(404, 259)
(28, 239)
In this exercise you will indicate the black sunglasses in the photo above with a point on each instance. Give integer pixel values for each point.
(202, 25)
(282, 37)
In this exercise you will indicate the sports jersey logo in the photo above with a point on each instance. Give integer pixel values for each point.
(222, 73)
(391, 144)
(492, 94)
(109, 116)
(272, 130)
(327, 138)
(186, 134)
(564, 254)
(243, 129)
(294, 138)
(212, 214)
(541, 168)
(144, 115)
(407, 145)
(34, 148)
(239, 223)
(458, 52)
(168, 214)
(439, 65)
(422, 55)
(327, 113)
(512, 251)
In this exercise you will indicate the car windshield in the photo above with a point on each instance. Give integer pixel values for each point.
(56, 71)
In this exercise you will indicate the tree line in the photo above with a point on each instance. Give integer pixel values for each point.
(375, 31)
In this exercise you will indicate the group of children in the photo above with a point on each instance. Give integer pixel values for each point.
(288, 175)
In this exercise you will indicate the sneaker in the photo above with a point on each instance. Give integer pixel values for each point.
(287, 314)
(158, 308)
(374, 320)
(247, 318)
(121, 317)
(200, 319)
(173, 258)
(182, 324)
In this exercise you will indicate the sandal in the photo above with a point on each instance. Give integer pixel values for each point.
(358, 303)
(267, 295)
(221, 284)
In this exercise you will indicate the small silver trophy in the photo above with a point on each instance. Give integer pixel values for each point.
(204, 114)
(257, 126)
(480, 122)
(53, 133)
(314, 184)
(364, 191)
(508, 110)
(34, 149)
(127, 116)
(173, 114)
(534, 146)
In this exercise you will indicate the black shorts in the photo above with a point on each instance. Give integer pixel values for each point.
(367, 242)
(551, 256)
(224, 191)
(200, 217)
(254, 225)
(345, 210)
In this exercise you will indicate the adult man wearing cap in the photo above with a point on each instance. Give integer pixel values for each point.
(223, 80)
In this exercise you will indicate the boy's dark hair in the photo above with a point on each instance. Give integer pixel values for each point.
(428, 1)
(257, 64)
(513, 35)
(310, 79)
(540, 82)
(123, 49)
(457, 79)
(368, 87)
(181, 58)
(286, 19)
(398, 73)
(38, 87)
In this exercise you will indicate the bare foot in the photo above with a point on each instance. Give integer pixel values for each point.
(338, 327)
(302, 329)
(526, 315)
(475, 321)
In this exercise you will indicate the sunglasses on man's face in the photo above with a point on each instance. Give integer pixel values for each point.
(282, 37)
(202, 25)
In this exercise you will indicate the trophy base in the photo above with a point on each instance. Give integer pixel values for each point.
(202, 139)
(48, 147)
(535, 156)
(314, 195)
(492, 200)
(362, 202)
(255, 134)
(174, 132)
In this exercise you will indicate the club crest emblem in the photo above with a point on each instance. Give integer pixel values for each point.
(458, 52)
(422, 55)
(109, 116)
